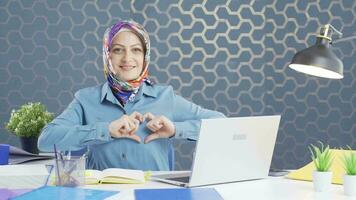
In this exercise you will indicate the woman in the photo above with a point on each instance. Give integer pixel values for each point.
(127, 122)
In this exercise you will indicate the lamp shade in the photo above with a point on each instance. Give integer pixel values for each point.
(318, 60)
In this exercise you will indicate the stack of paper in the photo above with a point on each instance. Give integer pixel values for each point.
(23, 176)
(18, 156)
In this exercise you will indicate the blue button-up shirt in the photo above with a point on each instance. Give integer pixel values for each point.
(85, 123)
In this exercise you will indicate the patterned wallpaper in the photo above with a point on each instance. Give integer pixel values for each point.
(227, 55)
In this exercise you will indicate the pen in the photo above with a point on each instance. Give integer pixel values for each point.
(57, 167)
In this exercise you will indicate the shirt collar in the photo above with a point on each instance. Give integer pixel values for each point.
(107, 94)
(148, 90)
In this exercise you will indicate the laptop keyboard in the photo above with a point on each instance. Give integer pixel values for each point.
(184, 179)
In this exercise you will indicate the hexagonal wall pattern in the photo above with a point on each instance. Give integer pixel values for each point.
(226, 55)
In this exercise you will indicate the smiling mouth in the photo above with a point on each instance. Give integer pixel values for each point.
(127, 67)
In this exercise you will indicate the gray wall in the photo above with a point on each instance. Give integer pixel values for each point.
(230, 56)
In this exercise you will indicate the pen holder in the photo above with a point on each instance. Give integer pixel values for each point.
(70, 172)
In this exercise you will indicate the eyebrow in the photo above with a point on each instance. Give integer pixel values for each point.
(124, 45)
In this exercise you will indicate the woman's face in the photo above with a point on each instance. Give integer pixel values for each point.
(127, 55)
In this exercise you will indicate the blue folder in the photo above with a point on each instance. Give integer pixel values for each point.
(56, 192)
(178, 194)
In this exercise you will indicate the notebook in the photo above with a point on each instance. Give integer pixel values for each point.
(65, 193)
(6, 194)
(230, 150)
(177, 194)
(116, 175)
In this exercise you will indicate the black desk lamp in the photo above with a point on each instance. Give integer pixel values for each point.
(319, 60)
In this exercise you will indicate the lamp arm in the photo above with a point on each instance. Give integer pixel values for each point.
(345, 39)
(328, 30)
(332, 27)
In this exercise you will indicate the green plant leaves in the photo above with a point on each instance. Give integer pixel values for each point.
(29, 120)
(322, 157)
(349, 161)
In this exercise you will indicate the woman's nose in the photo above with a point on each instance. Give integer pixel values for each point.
(126, 56)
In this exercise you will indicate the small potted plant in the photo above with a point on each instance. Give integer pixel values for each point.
(349, 161)
(27, 123)
(322, 158)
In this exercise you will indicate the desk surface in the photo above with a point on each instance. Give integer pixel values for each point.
(272, 188)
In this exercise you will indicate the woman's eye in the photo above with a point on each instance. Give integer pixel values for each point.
(117, 50)
(137, 50)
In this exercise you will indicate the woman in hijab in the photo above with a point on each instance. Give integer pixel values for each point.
(127, 122)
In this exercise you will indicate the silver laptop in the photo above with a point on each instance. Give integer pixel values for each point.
(230, 150)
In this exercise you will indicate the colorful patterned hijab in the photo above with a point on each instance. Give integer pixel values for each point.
(125, 91)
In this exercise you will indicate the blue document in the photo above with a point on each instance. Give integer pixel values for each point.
(178, 194)
(56, 192)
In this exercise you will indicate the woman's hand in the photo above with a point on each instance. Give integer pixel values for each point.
(126, 126)
(160, 126)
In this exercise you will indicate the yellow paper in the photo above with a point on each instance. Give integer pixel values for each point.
(337, 167)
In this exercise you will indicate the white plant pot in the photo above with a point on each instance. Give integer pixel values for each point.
(350, 185)
(322, 181)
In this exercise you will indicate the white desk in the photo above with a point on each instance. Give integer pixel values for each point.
(273, 188)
